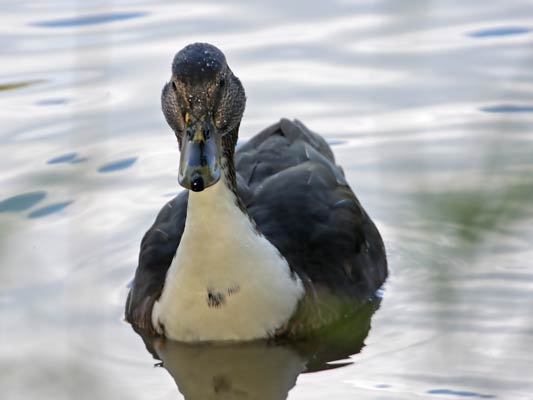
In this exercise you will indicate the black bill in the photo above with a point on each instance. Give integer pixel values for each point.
(200, 156)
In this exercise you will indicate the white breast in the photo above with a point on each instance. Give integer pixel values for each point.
(227, 281)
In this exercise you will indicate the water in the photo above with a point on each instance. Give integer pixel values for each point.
(428, 106)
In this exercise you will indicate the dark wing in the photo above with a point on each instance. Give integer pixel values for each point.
(158, 248)
(302, 203)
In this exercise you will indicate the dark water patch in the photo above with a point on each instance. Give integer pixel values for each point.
(64, 158)
(507, 108)
(501, 31)
(22, 201)
(461, 393)
(52, 102)
(18, 85)
(117, 165)
(89, 19)
(50, 209)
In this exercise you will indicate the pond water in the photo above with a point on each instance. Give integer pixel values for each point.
(429, 108)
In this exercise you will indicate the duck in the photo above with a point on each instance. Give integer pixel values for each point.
(266, 241)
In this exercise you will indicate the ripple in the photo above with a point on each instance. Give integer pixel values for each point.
(461, 393)
(65, 158)
(336, 142)
(50, 209)
(89, 19)
(78, 160)
(501, 31)
(22, 201)
(117, 165)
(18, 85)
(52, 102)
(507, 108)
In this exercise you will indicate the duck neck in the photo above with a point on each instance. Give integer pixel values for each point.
(229, 142)
(220, 202)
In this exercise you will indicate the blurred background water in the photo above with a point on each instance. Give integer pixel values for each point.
(428, 106)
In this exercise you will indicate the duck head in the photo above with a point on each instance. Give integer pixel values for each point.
(203, 103)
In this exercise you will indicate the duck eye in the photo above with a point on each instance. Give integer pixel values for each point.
(222, 82)
(174, 86)
(224, 125)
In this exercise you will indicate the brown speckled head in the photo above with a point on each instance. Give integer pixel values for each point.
(203, 103)
(202, 84)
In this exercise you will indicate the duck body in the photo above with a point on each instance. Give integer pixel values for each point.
(268, 241)
(311, 241)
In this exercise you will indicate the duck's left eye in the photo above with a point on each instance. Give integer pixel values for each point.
(222, 82)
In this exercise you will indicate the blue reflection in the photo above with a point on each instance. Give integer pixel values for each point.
(503, 31)
(52, 102)
(507, 108)
(22, 201)
(89, 19)
(335, 142)
(64, 158)
(50, 209)
(117, 165)
(78, 160)
(461, 393)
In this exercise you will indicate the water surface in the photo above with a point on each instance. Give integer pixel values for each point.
(428, 108)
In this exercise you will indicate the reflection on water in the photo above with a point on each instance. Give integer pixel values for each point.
(64, 158)
(259, 370)
(52, 102)
(505, 31)
(49, 209)
(461, 393)
(117, 165)
(89, 19)
(21, 202)
(17, 85)
(508, 108)
(428, 106)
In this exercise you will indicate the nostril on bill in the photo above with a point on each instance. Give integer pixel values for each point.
(207, 132)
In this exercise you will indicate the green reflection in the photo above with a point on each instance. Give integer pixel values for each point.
(18, 85)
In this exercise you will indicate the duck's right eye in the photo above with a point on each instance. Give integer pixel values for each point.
(174, 86)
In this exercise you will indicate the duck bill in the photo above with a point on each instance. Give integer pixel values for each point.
(200, 157)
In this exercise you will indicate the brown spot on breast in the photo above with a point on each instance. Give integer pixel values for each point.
(215, 299)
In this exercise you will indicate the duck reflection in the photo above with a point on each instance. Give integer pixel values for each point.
(262, 369)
